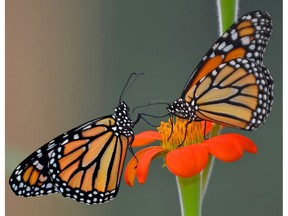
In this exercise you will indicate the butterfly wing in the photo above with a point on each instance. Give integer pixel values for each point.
(246, 38)
(235, 94)
(87, 165)
(84, 163)
(31, 177)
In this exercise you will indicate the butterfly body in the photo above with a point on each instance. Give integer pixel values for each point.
(230, 85)
(84, 164)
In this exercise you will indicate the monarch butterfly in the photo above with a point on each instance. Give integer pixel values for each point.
(84, 164)
(230, 85)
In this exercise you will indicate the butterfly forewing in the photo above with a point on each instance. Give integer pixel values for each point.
(246, 38)
(87, 167)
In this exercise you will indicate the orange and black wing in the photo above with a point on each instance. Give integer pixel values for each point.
(87, 165)
(235, 94)
(246, 38)
(31, 177)
(84, 163)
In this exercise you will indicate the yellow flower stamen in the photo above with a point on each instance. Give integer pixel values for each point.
(173, 135)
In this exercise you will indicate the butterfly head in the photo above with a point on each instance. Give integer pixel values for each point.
(181, 109)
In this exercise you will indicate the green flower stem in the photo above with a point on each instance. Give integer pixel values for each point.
(227, 13)
(216, 130)
(190, 195)
(192, 190)
(206, 173)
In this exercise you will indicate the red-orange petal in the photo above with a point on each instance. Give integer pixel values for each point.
(229, 147)
(130, 171)
(145, 138)
(248, 145)
(144, 162)
(187, 161)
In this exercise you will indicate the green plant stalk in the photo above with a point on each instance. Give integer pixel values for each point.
(191, 190)
(206, 173)
(190, 195)
(227, 13)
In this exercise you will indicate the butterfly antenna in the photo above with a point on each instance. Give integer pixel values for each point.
(125, 87)
(151, 103)
(129, 83)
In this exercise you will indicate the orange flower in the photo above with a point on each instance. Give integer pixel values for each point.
(184, 159)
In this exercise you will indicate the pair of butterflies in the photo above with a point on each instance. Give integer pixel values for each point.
(230, 86)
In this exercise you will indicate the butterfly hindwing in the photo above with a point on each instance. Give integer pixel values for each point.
(235, 94)
(31, 177)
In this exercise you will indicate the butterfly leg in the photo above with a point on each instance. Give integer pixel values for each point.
(171, 120)
(204, 132)
(185, 133)
(140, 116)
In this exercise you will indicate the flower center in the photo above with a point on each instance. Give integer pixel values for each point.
(179, 133)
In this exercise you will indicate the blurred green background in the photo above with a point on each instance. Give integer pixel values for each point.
(67, 62)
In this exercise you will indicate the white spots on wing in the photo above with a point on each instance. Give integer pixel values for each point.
(87, 127)
(52, 161)
(228, 48)
(39, 166)
(222, 45)
(249, 54)
(245, 40)
(232, 63)
(65, 141)
(21, 185)
(222, 65)
(49, 185)
(225, 35)
(234, 36)
(76, 136)
(215, 46)
(245, 61)
(212, 55)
